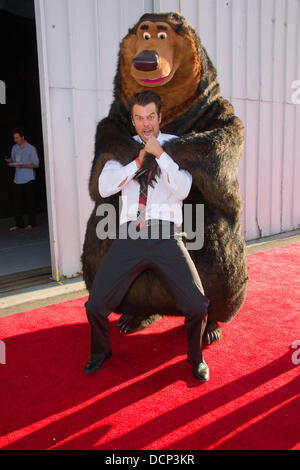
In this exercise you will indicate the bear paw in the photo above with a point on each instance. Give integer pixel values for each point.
(212, 333)
(131, 324)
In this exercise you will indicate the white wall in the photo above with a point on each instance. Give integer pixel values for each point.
(254, 45)
(78, 43)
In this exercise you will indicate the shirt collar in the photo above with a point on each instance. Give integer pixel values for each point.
(25, 145)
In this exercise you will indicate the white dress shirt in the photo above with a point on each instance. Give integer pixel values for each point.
(164, 200)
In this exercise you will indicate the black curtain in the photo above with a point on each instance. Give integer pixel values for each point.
(23, 8)
(19, 71)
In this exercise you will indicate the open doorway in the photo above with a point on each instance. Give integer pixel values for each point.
(24, 254)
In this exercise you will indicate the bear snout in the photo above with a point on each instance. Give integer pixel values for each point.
(146, 61)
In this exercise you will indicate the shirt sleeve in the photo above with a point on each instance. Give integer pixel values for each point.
(113, 174)
(179, 181)
(34, 157)
(12, 156)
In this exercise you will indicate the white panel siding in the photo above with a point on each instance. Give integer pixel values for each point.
(67, 209)
(78, 51)
(290, 118)
(264, 72)
(204, 23)
(255, 46)
(223, 32)
(296, 153)
(253, 125)
(166, 5)
(58, 45)
(238, 45)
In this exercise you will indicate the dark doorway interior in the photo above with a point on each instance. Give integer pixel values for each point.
(19, 71)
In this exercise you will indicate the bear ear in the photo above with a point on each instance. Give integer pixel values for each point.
(132, 30)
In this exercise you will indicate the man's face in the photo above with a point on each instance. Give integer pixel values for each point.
(18, 139)
(146, 120)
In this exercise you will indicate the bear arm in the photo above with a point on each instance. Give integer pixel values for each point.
(212, 158)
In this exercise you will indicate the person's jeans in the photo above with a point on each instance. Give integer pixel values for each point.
(24, 203)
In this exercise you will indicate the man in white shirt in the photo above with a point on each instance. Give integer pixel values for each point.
(147, 202)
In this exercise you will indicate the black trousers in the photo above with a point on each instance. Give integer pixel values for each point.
(24, 203)
(125, 260)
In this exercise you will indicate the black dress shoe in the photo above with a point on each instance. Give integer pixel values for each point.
(93, 365)
(201, 371)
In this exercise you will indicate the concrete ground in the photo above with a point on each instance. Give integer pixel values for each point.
(24, 250)
(48, 294)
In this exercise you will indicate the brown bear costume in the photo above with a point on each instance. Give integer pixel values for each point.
(163, 53)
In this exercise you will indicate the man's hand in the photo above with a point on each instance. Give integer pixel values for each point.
(8, 160)
(142, 155)
(153, 146)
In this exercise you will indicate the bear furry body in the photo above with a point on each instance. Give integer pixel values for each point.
(209, 145)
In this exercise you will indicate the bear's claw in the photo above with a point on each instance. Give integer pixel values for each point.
(212, 333)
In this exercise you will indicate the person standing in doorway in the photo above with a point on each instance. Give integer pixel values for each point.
(25, 159)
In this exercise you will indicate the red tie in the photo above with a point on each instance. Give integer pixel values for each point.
(141, 215)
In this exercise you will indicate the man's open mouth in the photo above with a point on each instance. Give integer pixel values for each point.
(147, 133)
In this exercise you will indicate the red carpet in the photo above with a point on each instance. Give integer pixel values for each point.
(145, 397)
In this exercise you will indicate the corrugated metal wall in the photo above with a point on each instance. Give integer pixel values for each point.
(254, 45)
(78, 42)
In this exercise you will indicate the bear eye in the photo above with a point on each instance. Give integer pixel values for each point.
(162, 35)
(147, 36)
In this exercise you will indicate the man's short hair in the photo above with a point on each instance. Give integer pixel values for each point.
(145, 97)
(18, 130)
